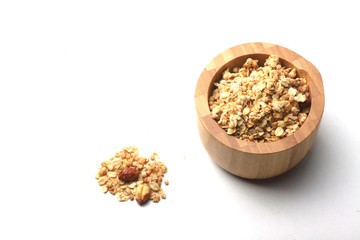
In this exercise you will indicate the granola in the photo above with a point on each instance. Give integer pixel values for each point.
(260, 104)
(125, 173)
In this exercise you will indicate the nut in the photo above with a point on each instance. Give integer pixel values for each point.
(142, 193)
(154, 186)
(128, 174)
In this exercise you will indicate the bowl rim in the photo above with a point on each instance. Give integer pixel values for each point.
(207, 78)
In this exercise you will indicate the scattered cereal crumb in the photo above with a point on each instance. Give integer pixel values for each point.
(149, 173)
(156, 199)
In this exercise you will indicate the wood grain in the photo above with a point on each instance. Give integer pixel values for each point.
(250, 159)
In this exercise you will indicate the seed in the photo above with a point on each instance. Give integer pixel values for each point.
(154, 186)
(279, 131)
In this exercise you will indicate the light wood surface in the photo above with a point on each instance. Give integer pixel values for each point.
(250, 159)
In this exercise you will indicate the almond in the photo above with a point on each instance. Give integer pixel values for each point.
(128, 174)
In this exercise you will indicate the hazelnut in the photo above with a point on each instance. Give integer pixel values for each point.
(142, 193)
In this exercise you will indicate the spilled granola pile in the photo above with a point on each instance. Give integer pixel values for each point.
(130, 176)
(260, 104)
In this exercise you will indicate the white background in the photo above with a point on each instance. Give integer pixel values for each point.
(80, 79)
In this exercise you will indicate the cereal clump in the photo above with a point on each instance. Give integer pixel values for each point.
(260, 103)
(127, 174)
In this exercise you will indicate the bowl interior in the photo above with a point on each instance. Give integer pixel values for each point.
(239, 61)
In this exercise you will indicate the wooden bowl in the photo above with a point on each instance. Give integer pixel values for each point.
(254, 160)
